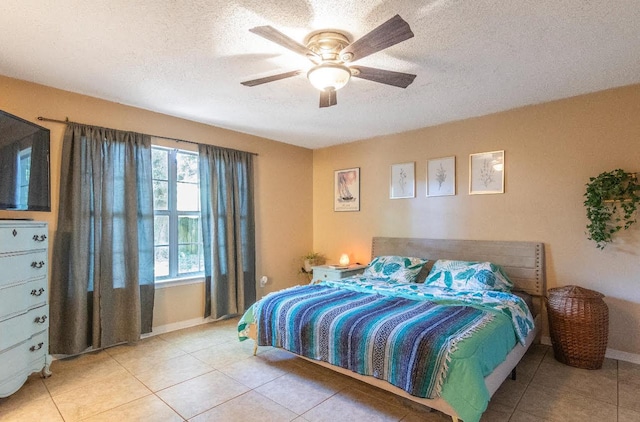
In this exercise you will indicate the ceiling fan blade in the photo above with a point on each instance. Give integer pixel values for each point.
(399, 79)
(391, 32)
(278, 37)
(271, 78)
(328, 98)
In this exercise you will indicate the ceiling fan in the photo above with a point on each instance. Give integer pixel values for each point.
(331, 51)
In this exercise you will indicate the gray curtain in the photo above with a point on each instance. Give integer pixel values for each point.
(228, 227)
(102, 288)
(9, 171)
(38, 199)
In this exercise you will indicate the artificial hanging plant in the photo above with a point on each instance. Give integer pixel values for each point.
(612, 199)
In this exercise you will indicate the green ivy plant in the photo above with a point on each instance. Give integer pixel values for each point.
(612, 199)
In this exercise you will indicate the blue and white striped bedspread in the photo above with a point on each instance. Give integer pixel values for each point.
(405, 342)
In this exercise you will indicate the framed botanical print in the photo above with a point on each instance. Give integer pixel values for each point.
(441, 176)
(486, 173)
(403, 181)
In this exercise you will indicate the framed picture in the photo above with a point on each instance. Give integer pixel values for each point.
(346, 195)
(486, 173)
(441, 176)
(403, 181)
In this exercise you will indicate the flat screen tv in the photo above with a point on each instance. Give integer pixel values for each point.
(24, 165)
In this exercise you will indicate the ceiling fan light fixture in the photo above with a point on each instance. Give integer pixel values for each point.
(329, 50)
(329, 75)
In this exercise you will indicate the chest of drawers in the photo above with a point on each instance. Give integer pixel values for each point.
(24, 311)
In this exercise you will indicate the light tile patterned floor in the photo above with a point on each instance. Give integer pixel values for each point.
(204, 374)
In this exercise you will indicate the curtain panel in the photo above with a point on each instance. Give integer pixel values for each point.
(228, 227)
(38, 197)
(102, 289)
(9, 165)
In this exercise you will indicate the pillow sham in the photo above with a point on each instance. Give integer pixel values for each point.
(468, 275)
(399, 268)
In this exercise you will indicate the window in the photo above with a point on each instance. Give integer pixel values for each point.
(176, 201)
(24, 172)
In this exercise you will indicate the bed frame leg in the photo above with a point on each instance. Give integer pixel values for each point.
(255, 348)
(513, 374)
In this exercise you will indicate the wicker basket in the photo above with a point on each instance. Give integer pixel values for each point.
(579, 326)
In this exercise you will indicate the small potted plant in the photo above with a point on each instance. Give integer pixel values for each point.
(612, 199)
(310, 260)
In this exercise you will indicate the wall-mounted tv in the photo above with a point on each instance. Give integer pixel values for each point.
(24, 165)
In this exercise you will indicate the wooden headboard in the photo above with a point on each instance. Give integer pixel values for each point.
(522, 261)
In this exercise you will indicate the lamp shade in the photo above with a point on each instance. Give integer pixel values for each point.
(344, 260)
(329, 75)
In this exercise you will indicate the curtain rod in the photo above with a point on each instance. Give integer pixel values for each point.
(66, 121)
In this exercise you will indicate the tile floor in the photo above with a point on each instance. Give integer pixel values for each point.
(205, 374)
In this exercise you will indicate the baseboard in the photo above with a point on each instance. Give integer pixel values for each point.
(625, 356)
(610, 353)
(162, 329)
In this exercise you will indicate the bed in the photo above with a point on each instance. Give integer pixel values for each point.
(458, 374)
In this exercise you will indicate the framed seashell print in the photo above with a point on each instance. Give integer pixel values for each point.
(346, 195)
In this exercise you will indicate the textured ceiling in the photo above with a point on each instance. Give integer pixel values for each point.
(187, 58)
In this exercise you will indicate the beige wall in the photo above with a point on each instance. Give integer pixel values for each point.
(283, 220)
(551, 151)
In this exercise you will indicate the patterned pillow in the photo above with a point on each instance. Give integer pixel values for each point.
(465, 275)
(399, 268)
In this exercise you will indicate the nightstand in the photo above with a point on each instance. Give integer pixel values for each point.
(325, 272)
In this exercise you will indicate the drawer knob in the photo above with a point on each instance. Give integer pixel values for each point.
(39, 238)
(38, 347)
(38, 292)
(40, 319)
(35, 264)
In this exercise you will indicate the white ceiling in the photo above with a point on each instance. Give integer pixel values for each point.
(187, 58)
